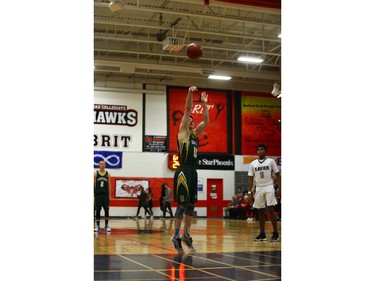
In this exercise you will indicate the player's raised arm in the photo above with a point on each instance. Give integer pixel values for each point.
(205, 120)
(183, 132)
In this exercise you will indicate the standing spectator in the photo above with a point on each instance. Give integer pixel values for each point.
(167, 200)
(261, 171)
(149, 202)
(142, 202)
(102, 189)
(162, 195)
(185, 182)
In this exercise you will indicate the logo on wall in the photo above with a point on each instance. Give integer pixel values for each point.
(108, 114)
(113, 159)
(215, 162)
(130, 188)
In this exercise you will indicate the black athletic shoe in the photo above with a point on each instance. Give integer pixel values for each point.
(177, 244)
(275, 237)
(188, 241)
(261, 237)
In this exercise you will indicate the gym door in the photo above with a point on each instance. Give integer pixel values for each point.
(214, 198)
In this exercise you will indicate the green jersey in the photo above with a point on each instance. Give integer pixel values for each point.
(102, 183)
(187, 151)
(186, 177)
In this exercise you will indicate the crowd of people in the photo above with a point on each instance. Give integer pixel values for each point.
(241, 206)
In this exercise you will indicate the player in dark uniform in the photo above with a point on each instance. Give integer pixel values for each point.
(102, 188)
(186, 177)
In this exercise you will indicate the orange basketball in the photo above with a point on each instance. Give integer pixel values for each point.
(194, 51)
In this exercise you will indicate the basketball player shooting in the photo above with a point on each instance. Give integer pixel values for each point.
(185, 182)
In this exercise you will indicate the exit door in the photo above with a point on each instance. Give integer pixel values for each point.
(214, 198)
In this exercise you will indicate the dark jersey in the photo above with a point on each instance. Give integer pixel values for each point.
(187, 151)
(186, 177)
(102, 183)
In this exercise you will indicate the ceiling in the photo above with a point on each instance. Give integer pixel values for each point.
(135, 43)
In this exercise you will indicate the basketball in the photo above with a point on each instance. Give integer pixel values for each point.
(194, 51)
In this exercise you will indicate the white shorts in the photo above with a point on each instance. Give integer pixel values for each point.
(264, 195)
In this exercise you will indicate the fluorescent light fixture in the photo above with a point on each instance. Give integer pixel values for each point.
(219, 77)
(250, 59)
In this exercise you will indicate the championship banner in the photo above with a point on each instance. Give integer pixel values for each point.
(113, 159)
(215, 137)
(261, 124)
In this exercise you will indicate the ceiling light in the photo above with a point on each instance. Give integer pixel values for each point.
(250, 59)
(117, 5)
(219, 77)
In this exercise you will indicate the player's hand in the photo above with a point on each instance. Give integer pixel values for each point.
(278, 192)
(193, 89)
(204, 97)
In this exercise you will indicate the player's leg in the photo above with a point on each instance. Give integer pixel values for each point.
(275, 234)
(271, 202)
(98, 209)
(260, 204)
(175, 239)
(106, 218)
(188, 218)
(106, 212)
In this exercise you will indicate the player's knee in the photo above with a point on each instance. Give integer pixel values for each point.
(189, 211)
(179, 214)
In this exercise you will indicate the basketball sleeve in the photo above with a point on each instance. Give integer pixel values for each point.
(251, 172)
(275, 169)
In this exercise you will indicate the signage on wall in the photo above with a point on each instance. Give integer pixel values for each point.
(112, 141)
(109, 114)
(130, 188)
(155, 144)
(260, 123)
(205, 162)
(112, 159)
(215, 162)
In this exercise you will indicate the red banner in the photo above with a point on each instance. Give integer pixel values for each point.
(261, 117)
(215, 137)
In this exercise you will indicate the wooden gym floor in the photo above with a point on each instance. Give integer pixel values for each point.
(141, 250)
